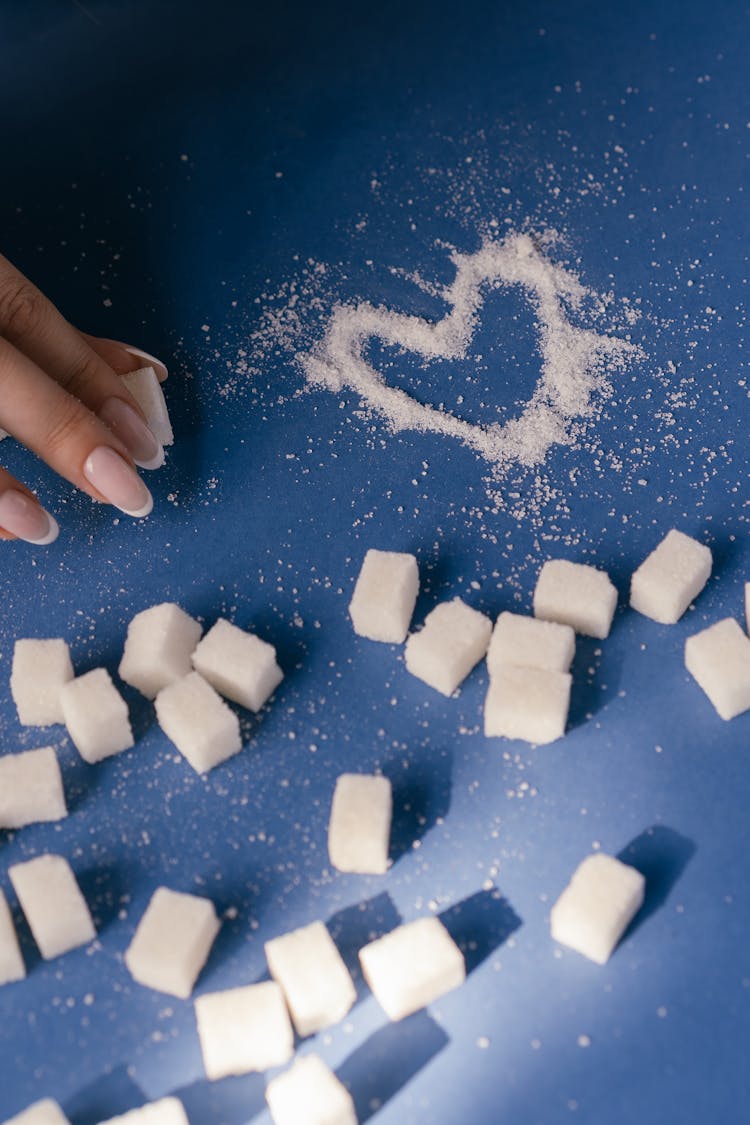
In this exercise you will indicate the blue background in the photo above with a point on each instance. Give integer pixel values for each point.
(167, 171)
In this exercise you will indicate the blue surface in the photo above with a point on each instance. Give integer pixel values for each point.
(178, 161)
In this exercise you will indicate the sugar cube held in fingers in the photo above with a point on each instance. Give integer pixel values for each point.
(145, 388)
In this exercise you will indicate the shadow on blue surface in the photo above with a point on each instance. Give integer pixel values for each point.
(359, 924)
(233, 1101)
(592, 690)
(102, 887)
(108, 1096)
(479, 924)
(421, 796)
(661, 855)
(388, 1060)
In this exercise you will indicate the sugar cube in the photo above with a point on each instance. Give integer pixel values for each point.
(40, 668)
(4, 434)
(531, 642)
(316, 983)
(51, 899)
(158, 648)
(747, 606)
(31, 788)
(719, 659)
(244, 1029)
(239, 665)
(172, 942)
(360, 826)
(453, 640)
(310, 1092)
(167, 1111)
(412, 966)
(527, 703)
(577, 595)
(11, 960)
(670, 578)
(597, 906)
(199, 722)
(145, 388)
(384, 596)
(45, 1112)
(96, 716)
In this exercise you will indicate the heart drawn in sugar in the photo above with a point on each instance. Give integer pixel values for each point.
(575, 368)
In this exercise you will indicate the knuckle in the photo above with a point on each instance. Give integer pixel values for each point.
(81, 374)
(62, 427)
(21, 308)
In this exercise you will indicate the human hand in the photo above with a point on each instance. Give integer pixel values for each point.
(61, 396)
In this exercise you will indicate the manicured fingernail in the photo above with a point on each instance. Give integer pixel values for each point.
(118, 483)
(23, 517)
(133, 432)
(150, 361)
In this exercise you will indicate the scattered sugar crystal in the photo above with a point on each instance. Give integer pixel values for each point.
(310, 1092)
(384, 596)
(411, 966)
(238, 664)
(530, 642)
(316, 983)
(244, 1029)
(360, 826)
(167, 1111)
(51, 899)
(96, 716)
(45, 1112)
(670, 578)
(31, 788)
(719, 659)
(199, 722)
(577, 595)
(158, 648)
(145, 388)
(40, 668)
(597, 906)
(453, 640)
(172, 942)
(11, 960)
(527, 703)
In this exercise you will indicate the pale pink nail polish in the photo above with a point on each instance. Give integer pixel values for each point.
(133, 432)
(150, 361)
(23, 517)
(114, 478)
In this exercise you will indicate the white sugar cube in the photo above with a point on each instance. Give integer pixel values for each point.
(145, 388)
(239, 665)
(31, 788)
(670, 578)
(316, 983)
(747, 606)
(531, 642)
(384, 596)
(527, 703)
(11, 960)
(719, 659)
(51, 899)
(597, 906)
(577, 595)
(199, 722)
(40, 668)
(412, 966)
(453, 640)
(244, 1029)
(310, 1092)
(4, 434)
(45, 1112)
(360, 826)
(167, 1111)
(96, 716)
(172, 942)
(158, 648)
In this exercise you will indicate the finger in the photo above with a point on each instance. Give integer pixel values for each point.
(22, 516)
(33, 324)
(68, 436)
(123, 358)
